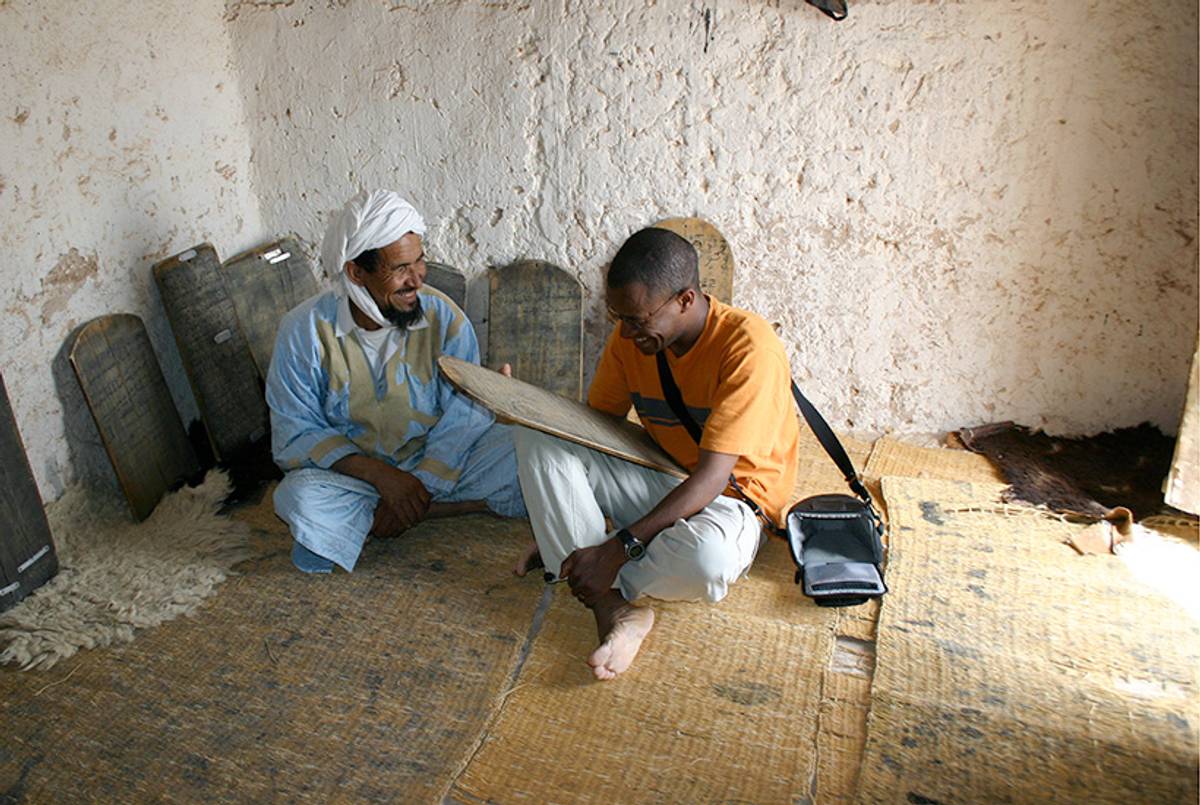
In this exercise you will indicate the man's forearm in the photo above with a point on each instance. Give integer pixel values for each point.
(696, 492)
(362, 467)
(402, 497)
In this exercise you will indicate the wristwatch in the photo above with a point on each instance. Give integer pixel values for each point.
(635, 549)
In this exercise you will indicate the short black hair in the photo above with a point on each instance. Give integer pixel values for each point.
(657, 258)
(368, 261)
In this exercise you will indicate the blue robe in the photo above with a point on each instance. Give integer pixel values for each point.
(326, 404)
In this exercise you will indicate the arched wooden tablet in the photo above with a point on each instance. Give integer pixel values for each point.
(552, 413)
(214, 350)
(264, 284)
(449, 280)
(716, 258)
(535, 323)
(27, 558)
(134, 413)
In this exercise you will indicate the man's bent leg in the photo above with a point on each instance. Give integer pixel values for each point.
(570, 488)
(490, 474)
(329, 515)
(698, 558)
(563, 511)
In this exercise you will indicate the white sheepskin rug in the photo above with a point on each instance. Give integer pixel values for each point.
(116, 576)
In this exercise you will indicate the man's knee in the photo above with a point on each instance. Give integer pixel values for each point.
(702, 574)
(715, 564)
(315, 494)
(527, 442)
(535, 447)
(288, 497)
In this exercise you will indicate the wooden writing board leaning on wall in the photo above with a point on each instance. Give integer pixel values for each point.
(552, 413)
(716, 258)
(535, 323)
(134, 413)
(449, 280)
(264, 284)
(27, 558)
(215, 354)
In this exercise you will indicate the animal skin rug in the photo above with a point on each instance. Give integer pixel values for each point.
(1092, 476)
(116, 576)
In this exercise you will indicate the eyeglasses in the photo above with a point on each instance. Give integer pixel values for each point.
(639, 324)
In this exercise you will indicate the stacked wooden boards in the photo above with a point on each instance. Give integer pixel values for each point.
(224, 318)
(264, 284)
(213, 345)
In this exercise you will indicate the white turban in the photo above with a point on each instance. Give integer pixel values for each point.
(368, 221)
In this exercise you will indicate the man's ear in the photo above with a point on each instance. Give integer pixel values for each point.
(687, 298)
(354, 271)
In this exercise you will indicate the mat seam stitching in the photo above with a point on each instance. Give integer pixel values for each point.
(535, 628)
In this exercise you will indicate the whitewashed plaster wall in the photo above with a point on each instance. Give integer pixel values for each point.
(122, 141)
(956, 212)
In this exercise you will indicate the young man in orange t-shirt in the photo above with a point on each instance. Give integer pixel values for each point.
(674, 540)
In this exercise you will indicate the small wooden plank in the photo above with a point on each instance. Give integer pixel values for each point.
(449, 280)
(535, 323)
(132, 406)
(552, 413)
(27, 557)
(1183, 482)
(215, 354)
(716, 258)
(264, 283)
(478, 299)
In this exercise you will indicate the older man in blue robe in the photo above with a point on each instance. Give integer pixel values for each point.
(368, 432)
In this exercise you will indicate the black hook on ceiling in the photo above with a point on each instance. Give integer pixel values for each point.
(836, 9)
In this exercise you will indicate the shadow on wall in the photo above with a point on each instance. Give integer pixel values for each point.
(85, 450)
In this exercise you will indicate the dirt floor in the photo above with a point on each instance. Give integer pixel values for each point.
(1001, 666)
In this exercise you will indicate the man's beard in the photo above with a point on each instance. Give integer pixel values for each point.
(403, 318)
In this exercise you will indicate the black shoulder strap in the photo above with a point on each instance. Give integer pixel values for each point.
(812, 416)
(675, 400)
(831, 443)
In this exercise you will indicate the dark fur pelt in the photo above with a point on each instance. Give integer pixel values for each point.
(1090, 476)
(250, 469)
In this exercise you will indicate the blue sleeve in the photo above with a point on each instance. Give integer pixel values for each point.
(297, 385)
(462, 421)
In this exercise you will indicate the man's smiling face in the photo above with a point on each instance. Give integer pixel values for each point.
(396, 278)
(651, 320)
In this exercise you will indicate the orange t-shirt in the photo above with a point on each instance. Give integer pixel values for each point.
(735, 381)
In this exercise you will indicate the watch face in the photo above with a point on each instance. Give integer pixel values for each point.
(635, 551)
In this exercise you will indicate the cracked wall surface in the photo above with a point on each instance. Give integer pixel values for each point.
(956, 212)
(122, 141)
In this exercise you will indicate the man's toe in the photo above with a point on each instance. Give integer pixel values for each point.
(601, 657)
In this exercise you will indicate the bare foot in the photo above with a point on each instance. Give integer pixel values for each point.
(529, 560)
(622, 628)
